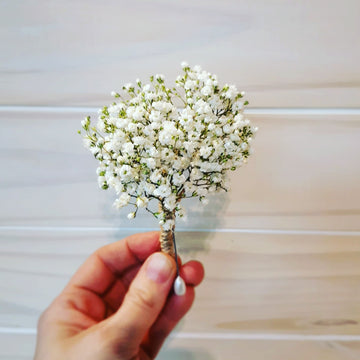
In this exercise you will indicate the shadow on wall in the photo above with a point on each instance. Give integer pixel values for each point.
(199, 216)
(183, 354)
(193, 235)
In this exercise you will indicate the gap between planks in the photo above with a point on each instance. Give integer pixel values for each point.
(252, 111)
(222, 336)
(236, 231)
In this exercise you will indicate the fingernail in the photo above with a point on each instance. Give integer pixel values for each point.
(159, 268)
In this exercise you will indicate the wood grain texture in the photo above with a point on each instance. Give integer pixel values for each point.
(283, 54)
(255, 284)
(304, 175)
(281, 250)
(212, 349)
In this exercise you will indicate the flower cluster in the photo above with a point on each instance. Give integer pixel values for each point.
(155, 142)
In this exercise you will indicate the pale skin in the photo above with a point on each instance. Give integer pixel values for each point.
(119, 305)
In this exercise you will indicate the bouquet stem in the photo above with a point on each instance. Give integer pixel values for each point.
(168, 246)
(167, 241)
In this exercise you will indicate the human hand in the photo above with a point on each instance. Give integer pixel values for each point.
(117, 305)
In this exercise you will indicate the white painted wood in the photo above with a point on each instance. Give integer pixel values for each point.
(283, 53)
(304, 175)
(185, 349)
(282, 275)
(254, 284)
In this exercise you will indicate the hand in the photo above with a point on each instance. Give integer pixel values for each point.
(118, 305)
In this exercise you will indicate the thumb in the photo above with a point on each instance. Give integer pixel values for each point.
(144, 300)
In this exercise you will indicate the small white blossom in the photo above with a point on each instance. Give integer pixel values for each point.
(128, 148)
(168, 225)
(205, 151)
(150, 163)
(142, 201)
(155, 176)
(206, 90)
(170, 202)
(190, 84)
(128, 86)
(178, 180)
(162, 191)
(122, 200)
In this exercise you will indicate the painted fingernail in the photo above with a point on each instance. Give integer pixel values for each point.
(159, 268)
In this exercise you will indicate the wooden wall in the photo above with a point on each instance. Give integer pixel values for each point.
(281, 250)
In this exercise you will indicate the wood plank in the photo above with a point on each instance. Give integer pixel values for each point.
(304, 175)
(213, 349)
(255, 284)
(282, 54)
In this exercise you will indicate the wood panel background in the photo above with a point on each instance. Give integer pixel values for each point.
(281, 250)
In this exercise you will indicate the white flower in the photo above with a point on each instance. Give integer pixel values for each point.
(155, 116)
(189, 146)
(167, 225)
(231, 92)
(227, 129)
(206, 90)
(190, 84)
(139, 140)
(189, 188)
(159, 77)
(196, 174)
(218, 131)
(170, 202)
(122, 200)
(201, 191)
(244, 146)
(181, 212)
(126, 172)
(128, 86)
(100, 125)
(138, 114)
(87, 143)
(178, 180)
(149, 188)
(166, 138)
(162, 191)
(131, 128)
(128, 148)
(131, 215)
(153, 152)
(155, 176)
(204, 200)
(150, 163)
(205, 151)
(142, 201)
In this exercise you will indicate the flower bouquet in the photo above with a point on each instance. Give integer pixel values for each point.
(163, 144)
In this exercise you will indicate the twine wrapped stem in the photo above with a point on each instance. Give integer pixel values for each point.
(167, 237)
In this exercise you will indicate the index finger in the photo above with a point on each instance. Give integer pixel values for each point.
(108, 263)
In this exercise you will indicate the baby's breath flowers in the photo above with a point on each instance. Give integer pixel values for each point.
(156, 143)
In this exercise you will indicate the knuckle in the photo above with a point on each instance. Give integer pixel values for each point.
(44, 319)
(49, 315)
(143, 299)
